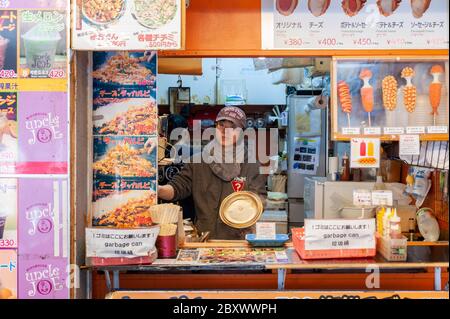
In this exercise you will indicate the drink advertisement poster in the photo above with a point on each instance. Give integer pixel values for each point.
(8, 274)
(354, 24)
(128, 24)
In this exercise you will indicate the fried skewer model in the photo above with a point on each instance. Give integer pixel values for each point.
(389, 89)
(409, 91)
(345, 98)
(435, 90)
(367, 92)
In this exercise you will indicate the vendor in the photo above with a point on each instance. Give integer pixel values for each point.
(209, 182)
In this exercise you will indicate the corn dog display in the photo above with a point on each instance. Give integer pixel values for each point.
(389, 90)
(409, 91)
(345, 98)
(435, 90)
(366, 92)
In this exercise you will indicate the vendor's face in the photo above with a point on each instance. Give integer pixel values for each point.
(226, 133)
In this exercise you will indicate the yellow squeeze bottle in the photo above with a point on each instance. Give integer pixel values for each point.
(370, 149)
(380, 215)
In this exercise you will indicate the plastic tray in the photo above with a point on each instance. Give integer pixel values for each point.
(279, 240)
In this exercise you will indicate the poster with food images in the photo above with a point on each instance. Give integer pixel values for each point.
(365, 153)
(8, 213)
(8, 44)
(354, 24)
(8, 132)
(127, 24)
(43, 44)
(8, 274)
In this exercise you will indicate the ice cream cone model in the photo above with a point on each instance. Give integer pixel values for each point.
(389, 90)
(345, 98)
(409, 91)
(367, 92)
(435, 90)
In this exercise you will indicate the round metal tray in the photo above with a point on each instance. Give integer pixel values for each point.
(241, 209)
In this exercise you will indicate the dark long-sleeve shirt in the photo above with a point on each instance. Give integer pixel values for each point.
(208, 192)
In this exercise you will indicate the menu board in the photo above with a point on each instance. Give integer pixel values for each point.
(34, 147)
(387, 97)
(354, 24)
(127, 24)
(125, 138)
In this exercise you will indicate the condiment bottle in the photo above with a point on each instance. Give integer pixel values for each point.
(345, 176)
(395, 229)
(362, 149)
(356, 174)
(370, 149)
(412, 228)
(380, 213)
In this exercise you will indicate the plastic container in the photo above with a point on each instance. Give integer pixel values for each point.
(279, 240)
(395, 228)
(428, 225)
(393, 249)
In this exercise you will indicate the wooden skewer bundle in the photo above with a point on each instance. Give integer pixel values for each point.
(167, 230)
(164, 213)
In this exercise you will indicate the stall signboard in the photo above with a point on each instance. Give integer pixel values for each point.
(34, 143)
(354, 25)
(125, 138)
(127, 24)
(291, 294)
(339, 234)
(8, 274)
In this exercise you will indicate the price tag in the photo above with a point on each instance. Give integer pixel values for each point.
(265, 231)
(372, 131)
(394, 130)
(362, 197)
(351, 130)
(415, 130)
(437, 129)
(409, 145)
(382, 198)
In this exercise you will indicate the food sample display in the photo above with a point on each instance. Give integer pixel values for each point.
(409, 90)
(367, 92)
(352, 7)
(389, 87)
(387, 7)
(318, 7)
(435, 89)
(390, 96)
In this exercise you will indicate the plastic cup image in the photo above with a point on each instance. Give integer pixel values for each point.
(3, 46)
(2, 225)
(40, 48)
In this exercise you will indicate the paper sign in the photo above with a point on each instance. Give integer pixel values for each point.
(339, 234)
(362, 197)
(127, 243)
(365, 153)
(265, 231)
(409, 145)
(351, 130)
(306, 155)
(415, 130)
(394, 130)
(382, 198)
(372, 131)
(437, 129)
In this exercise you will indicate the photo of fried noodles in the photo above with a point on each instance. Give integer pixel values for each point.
(122, 69)
(125, 161)
(102, 11)
(135, 213)
(154, 13)
(136, 120)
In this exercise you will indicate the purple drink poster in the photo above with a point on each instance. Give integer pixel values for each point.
(43, 133)
(8, 213)
(43, 278)
(43, 217)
